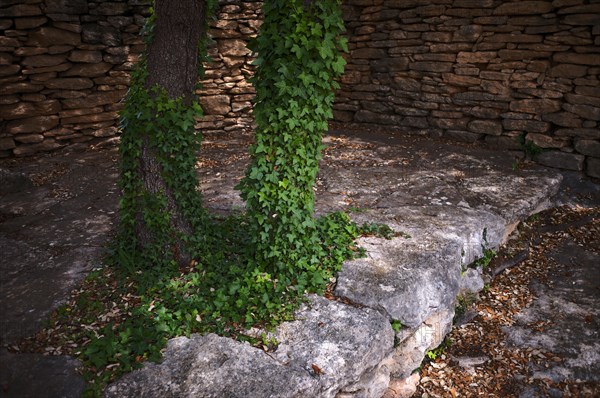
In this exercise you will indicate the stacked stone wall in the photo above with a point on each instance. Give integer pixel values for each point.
(65, 67)
(499, 71)
(226, 95)
(505, 72)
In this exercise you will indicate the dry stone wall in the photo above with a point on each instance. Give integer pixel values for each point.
(226, 93)
(64, 69)
(479, 69)
(493, 70)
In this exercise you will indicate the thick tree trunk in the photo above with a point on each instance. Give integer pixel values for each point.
(172, 62)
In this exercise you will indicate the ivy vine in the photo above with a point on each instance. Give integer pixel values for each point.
(298, 63)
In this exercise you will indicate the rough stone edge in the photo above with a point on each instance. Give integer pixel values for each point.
(305, 366)
(429, 334)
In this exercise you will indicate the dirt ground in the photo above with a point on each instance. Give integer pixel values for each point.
(534, 331)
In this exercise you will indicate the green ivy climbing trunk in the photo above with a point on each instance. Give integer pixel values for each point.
(161, 210)
(298, 62)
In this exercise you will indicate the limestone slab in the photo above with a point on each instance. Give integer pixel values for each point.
(214, 367)
(329, 346)
(406, 283)
(343, 341)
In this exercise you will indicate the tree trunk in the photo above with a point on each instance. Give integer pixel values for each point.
(173, 52)
(172, 64)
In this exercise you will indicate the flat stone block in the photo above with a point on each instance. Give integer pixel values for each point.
(464, 136)
(590, 133)
(490, 127)
(588, 147)
(36, 124)
(524, 8)
(592, 167)
(561, 160)
(407, 278)
(512, 197)
(404, 283)
(563, 119)
(536, 106)
(545, 141)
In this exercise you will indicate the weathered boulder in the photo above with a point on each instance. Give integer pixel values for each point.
(213, 366)
(330, 346)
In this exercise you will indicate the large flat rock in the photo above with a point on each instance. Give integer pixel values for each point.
(513, 197)
(454, 202)
(427, 228)
(453, 205)
(403, 282)
(414, 275)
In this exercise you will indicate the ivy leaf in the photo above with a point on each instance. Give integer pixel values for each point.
(325, 50)
(338, 65)
(343, 43)
(297, 50)
(260, 148)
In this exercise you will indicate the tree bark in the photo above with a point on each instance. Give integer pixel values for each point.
(173, 52)
(172, 62)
